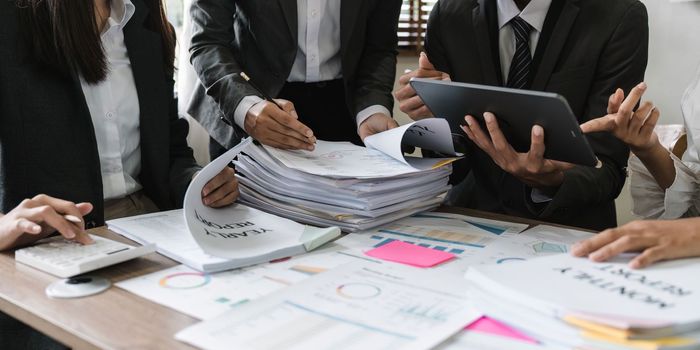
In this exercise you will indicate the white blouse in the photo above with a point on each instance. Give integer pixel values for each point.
(114, 108)
(682, 199)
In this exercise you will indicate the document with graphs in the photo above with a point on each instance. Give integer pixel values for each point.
(356, 306)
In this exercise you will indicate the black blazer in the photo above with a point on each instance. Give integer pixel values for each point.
(260, 38)
(587, 49)
(47, 140)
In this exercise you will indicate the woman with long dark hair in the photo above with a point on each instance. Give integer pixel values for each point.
(88, 116)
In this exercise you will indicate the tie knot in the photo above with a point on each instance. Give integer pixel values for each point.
(521, 28)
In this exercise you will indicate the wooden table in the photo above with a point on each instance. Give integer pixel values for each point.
(115, 319)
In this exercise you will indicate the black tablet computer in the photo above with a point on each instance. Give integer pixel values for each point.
(517, 112)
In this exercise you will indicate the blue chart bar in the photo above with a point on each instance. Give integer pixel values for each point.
(426, 238)
(386, 241)
(495, 229)
(425, 245)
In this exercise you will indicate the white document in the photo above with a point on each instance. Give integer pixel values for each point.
(353, 307)
(244, 233)
(664, 295)
(464, 236)
(167, 230)
(431, 134)
(467, 340)
(341, 160)
(381, 158)
(542, 240)
(202, 295)
(205, 296)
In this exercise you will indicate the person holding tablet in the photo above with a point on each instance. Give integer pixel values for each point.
(672, 191)
(581, 50)
(331, 64)
(88, 116)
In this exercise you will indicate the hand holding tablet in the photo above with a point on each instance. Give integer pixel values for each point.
(517, 113)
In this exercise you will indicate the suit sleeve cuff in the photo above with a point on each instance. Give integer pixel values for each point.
(370, 111)
(242, 109)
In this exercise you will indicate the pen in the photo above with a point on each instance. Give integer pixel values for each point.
(264, 95)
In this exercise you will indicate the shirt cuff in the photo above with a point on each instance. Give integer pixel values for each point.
(680, 196)
(540, 197)
(370, 111)
(242, 109)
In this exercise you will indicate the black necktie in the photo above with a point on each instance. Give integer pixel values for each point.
(519, 75)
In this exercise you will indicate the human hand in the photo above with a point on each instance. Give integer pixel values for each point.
(41, 216)
(278, 128)
(409, 102)
(656, 240)
(222, 190)
(531, 167)
(635, 128)
(375, 124)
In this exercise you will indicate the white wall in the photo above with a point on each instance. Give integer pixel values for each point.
(674, 53)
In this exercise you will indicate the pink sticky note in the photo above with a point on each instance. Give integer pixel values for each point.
(490, 326)
(410, 254)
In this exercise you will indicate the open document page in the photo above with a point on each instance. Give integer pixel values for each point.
(215, 239)
(431, 134)
(356, 306)
(167, 230)
(241, 232)
(383, 156)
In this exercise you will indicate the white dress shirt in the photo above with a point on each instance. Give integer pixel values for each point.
(114, 109)
(318, 54)
(534, 14)
(682, 199)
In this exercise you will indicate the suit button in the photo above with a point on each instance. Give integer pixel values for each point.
(276, 75)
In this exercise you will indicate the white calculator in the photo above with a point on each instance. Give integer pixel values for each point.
(64, 258)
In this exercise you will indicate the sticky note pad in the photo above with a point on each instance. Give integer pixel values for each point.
(409, 254)
(490, 326)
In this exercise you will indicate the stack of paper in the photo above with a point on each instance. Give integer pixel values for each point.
(573, 302)
(352, 187)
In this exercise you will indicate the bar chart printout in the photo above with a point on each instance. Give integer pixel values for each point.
(354, 306)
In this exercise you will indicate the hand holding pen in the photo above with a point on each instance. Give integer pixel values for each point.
(275, 123)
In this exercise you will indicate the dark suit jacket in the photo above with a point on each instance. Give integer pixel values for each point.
(260, 38)
(587, 49)
(47, 140)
